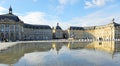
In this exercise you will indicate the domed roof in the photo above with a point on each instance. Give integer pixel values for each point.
(9, 17)
(58, 27)
(10, 9)
(114, 23)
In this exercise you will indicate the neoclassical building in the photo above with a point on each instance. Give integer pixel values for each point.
(110, 31)
(13, 29)
(57, 32)
(37, 32)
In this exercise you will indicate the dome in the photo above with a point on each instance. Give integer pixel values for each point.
(10, 9)
(114, 23)
(58, 27)
(9, 17)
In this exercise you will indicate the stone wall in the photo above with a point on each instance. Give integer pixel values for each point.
(105, 32)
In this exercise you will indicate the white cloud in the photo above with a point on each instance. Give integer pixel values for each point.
(3, 10)
(101, 17)
(88, 4)
(63, 3)
(94, 3)
(72, 2)
(41, 18)
(35, 0)
(34, 18)
(99, 2)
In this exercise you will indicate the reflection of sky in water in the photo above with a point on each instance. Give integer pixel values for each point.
(67, 57)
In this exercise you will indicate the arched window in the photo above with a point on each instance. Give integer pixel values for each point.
(2, 36)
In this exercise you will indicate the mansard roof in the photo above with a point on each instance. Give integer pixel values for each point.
(37, 26)
(9, 17)
(115, 24)
(76, 28)
(58, 27)
(82, 28)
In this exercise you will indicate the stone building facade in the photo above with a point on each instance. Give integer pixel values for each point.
(57, 32)
(13, 29)
(105, 32)
(37, 32)
(81, 32)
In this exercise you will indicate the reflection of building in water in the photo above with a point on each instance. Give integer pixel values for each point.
(53, 45)
(106, 46)
(58, 45)
(14, 53)
(117, 46)
(109, 46)
(68, 46)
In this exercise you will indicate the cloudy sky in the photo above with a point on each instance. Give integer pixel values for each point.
(65, 12)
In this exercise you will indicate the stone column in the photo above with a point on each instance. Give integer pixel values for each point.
(111, 33)
(14, 33)
(4, 30)
(19, 32)
(9, 32)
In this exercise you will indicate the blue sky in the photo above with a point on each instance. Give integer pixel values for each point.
(65, 12)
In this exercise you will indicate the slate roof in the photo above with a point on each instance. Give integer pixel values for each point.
(115, 24)
(37, 26)
(9, 17)
(58, 28)
(82, 28)
(76, 28)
